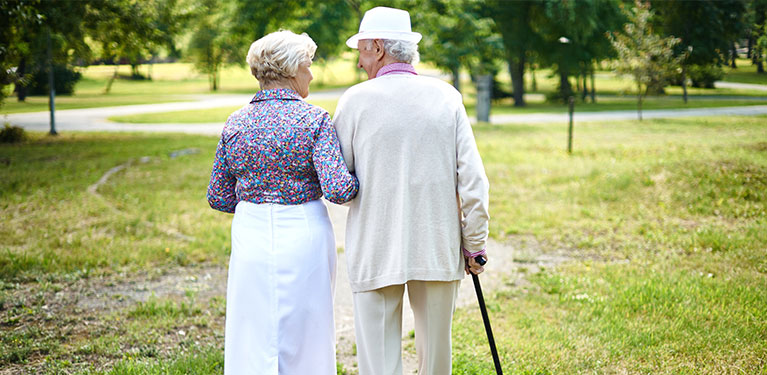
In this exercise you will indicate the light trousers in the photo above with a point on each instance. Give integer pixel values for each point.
(378, 327)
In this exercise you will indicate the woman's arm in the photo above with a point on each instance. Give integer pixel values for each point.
(338, 185)
(221, 190)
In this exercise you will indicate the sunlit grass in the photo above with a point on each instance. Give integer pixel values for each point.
(209, 115)
(665, 223)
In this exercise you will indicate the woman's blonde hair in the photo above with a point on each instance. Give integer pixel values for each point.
(277, 56)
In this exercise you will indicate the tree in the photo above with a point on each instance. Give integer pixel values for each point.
(131, 30)
(16, 16)
(706, 29)
(514, 20)
(756, 21)
(210, 46)
(573, 37)
(645, 56)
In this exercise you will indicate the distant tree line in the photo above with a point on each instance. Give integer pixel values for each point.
(572, 38)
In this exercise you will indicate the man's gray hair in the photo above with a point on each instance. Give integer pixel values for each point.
(402, 51)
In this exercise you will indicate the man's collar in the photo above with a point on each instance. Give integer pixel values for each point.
(396, 68)
(274, 94)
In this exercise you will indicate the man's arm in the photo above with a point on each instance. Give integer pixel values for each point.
(344, 129)
(473, 187)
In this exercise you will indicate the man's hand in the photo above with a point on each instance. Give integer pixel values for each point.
(473, 267)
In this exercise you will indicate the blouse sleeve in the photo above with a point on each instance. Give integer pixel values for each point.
(221, 190)
(338, 185)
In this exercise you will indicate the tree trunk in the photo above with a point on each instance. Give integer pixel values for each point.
(758, 60)
(484, 90)
(639, 102)
(51, 88)
(734, 56)
(111, 80)
(21, 89)
(517, 73)
(565, 89)
(593, 88)
(534, 82)
(585, 91)
(748, 47)
(684, 82)
(455, 72)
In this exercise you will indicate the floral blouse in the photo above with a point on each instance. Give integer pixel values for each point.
(279, 149)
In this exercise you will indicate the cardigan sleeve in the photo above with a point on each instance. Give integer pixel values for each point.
(345, 131)
(221, 189)
(473, 186)
(337, 183)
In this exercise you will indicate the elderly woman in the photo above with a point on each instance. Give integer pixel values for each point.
(277, 157)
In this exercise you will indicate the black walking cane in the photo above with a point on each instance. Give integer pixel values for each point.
(481, 260)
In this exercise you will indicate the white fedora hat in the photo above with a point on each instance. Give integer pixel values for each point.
(385, 23)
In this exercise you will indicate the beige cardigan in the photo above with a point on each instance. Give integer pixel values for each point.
(410, 143)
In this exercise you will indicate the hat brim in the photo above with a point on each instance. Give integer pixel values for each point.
(395, 35)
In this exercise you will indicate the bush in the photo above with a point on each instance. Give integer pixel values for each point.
(64, 80)
(705, 75)
(12, 134)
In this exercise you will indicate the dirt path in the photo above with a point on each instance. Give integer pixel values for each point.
(500, 273)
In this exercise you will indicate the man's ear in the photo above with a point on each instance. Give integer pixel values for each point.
(379, 48)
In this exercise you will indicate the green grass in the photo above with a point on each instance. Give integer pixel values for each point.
(745, 73)
(663, 221)
(666, 227)
(201, 115)
(153, 212)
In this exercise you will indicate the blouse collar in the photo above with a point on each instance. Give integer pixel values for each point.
(276, 94)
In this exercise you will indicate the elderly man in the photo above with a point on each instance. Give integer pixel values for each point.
(421, 211)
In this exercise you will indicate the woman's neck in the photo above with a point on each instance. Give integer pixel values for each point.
(275, 85)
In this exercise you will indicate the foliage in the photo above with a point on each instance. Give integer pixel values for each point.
(705, 75)
(647, 57)
(26, 27)
(12, 134)
(328, 23)
(211, 46)
(584, 26)
(458, 34)
(515, 22)
(708, 26)
(64, 79)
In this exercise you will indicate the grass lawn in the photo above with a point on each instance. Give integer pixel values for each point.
(201, 115)
(744, 73)
(663, 224)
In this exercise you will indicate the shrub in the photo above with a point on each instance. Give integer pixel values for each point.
(12, 134)
(705, 75)
(64, 80)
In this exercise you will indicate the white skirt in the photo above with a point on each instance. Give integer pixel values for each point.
(279, 297)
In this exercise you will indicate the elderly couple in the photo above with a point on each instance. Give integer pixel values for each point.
(401, 151)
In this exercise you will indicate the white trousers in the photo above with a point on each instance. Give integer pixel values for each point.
(378, 327)
(279, 296)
